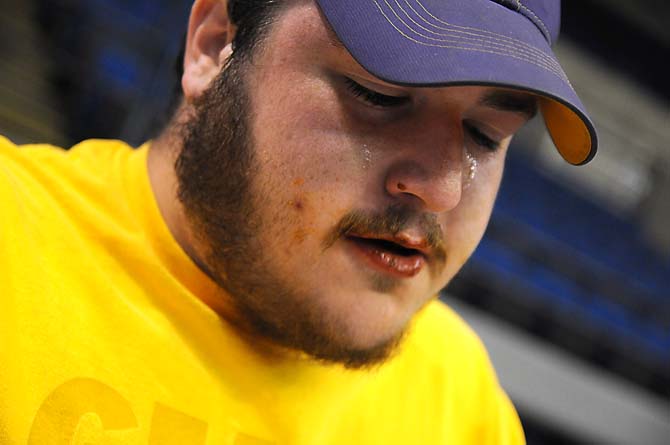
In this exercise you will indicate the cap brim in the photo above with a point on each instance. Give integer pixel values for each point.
(474, 42)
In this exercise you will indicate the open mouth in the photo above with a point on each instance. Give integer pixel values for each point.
(390, 257)
(389, 246)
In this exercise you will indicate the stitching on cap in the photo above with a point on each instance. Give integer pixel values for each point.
(503, 40)
(537, 54)
(483, 43)
(542, 25)
(483, 31)
(494, 50)
(486, 45)
(563, 76)
(518, 5)
(490, 51)
(530, 50)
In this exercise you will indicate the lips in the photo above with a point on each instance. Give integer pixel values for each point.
(395, 257)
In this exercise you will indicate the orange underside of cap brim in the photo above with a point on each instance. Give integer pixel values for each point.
(569, 133)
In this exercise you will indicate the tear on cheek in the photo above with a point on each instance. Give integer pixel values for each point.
(470, 168)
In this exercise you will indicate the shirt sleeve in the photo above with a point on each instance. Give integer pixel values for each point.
(509, 424)
(497, 421)
(477, 409)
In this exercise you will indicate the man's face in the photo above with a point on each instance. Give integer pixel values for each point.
(332, 206)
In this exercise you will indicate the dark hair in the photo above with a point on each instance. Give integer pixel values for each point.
(252, 19)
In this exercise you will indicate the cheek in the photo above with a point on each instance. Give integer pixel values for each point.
(300, 194)
(299, 123)
(307, 169)
(465, 227)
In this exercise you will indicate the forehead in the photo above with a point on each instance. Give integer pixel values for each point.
(302, 27)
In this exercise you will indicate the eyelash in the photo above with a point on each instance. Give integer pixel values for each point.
(372, 97)
(384, 101)
(480, 138)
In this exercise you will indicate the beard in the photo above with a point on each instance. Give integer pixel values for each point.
(216, 172)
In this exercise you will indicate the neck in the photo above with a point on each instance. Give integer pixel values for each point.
(163, 154)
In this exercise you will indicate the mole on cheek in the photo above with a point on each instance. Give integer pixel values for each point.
(298, 203)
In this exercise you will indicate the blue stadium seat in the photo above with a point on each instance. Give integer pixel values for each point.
(559, 214)
(560, 292)
(504, 262)
(119, 70)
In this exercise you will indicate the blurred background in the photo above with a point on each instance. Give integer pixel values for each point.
(570, 288)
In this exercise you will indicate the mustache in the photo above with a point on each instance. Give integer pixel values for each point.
(392, 220)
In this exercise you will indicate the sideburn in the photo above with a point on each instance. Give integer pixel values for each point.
(216, 160)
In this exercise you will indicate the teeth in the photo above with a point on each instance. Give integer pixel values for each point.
(392, 261)
(391, 256)
(389, 260)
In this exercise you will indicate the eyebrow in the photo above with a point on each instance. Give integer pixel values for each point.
(512, 102)
(333, 40)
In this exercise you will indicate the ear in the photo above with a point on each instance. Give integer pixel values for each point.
(208, 45)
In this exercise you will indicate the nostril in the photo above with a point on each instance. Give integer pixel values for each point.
(435, 188)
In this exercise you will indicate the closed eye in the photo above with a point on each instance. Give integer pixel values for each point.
(374, 98)
(479, 137)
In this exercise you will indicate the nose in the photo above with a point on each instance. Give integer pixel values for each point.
(430, 176)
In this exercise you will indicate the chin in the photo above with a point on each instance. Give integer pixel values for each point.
(370, 324)
(363, 351)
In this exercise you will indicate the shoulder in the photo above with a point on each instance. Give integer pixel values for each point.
(42, 159)
(454, 362)
(439, 333)
(39, 181)
(43, 166)
(91, 151)
(442, 350)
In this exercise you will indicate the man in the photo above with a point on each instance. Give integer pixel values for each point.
(266, 271)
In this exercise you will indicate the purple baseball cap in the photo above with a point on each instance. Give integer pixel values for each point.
(502, 43)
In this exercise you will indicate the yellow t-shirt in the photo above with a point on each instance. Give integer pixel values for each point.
(103, 340)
